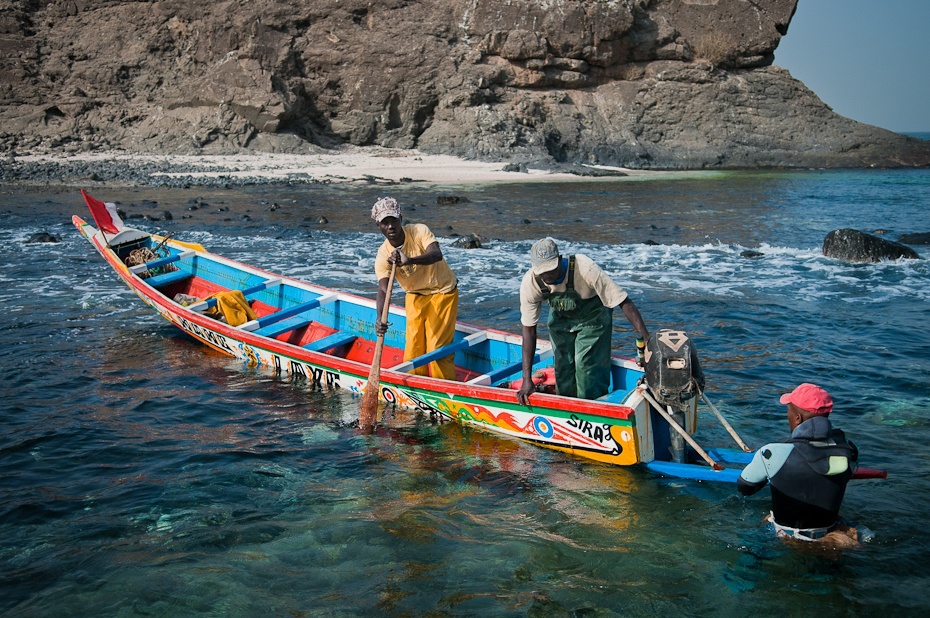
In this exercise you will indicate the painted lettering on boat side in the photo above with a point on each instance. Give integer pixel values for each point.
(300, 370)
(599, 433)
(317, 374)
(324, 376)
(208, 335)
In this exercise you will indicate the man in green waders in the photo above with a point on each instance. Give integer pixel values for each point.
(581, 301)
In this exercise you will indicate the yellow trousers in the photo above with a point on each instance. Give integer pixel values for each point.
(430, 325)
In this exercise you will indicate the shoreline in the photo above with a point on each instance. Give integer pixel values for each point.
(347, 165)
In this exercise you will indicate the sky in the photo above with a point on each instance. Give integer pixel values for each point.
(867, 59)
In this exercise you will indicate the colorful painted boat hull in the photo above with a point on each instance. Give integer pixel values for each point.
(617, 429)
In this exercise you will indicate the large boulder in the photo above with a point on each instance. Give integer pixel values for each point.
(657, 84)
(855, 246)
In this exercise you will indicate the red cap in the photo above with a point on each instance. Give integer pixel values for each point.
(811, 398)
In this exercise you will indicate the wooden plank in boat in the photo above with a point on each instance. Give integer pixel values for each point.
(290, 312)
(166, 279)
(171, 259)
(331, 341)
(255, 289)
(441, 352)
(284, 326)
(499, 374)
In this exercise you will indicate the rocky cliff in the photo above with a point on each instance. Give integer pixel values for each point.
(635, 83)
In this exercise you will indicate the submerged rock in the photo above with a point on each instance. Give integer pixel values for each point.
(469, 241)
(42, 237)
(855, 246)
(448, 200)
(918, 238)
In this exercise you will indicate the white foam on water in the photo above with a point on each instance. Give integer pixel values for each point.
(345, 261)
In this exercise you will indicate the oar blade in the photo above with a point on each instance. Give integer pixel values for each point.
(369, 409)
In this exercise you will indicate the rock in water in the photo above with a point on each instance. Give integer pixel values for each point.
(448, 200)
(42, 237)
(916, 238)
(855, 246)
(470, 241)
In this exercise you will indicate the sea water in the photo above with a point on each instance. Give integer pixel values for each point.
(143, 474)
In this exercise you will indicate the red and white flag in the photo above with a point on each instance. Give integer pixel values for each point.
(104, 215)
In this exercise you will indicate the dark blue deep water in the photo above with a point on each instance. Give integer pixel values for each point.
(143, 475)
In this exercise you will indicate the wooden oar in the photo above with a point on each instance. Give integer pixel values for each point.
(369, 408)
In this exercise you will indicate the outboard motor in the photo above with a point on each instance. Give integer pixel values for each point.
(673, 376)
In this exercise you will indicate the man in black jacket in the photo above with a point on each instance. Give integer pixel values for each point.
(809, 472)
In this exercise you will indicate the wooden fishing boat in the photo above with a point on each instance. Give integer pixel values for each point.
(329, 337)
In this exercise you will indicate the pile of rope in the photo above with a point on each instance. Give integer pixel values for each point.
(144, 254)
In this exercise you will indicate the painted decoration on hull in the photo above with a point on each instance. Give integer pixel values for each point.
(610, 443)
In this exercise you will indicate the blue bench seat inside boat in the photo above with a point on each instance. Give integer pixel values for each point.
(285, 320)
(158, 263)
(330, 341)
(273, 330)
(495, 376)
(442, 352)
(166, 279)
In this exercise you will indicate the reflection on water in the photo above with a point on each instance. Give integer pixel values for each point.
(141, 473)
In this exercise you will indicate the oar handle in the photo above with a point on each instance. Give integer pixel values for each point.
(386, 308)
(869, 473)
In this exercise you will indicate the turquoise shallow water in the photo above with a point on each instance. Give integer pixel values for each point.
(141, 474)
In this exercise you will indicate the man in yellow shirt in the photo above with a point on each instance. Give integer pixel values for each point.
(432, 297)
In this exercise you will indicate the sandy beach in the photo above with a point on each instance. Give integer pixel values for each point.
(345, 165)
